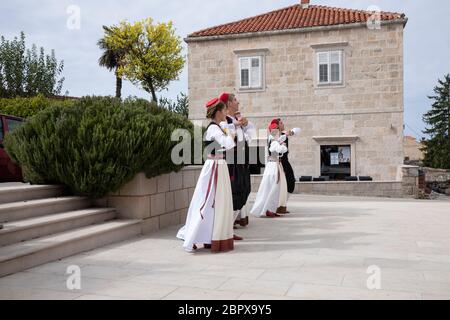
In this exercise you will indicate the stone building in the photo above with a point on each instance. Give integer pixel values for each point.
(336, 73)
(413, 149)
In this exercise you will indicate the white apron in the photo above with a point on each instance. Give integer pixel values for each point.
(268, 196)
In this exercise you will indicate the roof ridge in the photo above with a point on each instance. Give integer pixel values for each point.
(294, 16)
(355, 10)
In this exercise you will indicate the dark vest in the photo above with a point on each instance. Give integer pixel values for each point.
(285, 156)
(242, 146)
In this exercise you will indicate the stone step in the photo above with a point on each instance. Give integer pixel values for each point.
(34, 208)
(24, 192)
(21, 230)
(28, 254)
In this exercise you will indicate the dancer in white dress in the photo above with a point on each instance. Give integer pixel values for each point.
(274, 180)
(210, 216)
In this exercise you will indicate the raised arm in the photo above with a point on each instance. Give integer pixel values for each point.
(275, 146)
(249, 132)
(216, 134)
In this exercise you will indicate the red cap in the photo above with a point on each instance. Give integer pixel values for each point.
(212, 103)
(224, 97)
(273, 124)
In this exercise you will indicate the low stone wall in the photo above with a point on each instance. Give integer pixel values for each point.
(159, 202)
(437, 180)
(410, 181)
(390, 189)
(405, 187)
(436, 175)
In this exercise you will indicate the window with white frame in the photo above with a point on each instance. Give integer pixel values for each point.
(251, 72)
(329, 67)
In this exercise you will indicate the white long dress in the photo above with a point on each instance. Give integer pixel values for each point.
(268, 196)
(210, 216)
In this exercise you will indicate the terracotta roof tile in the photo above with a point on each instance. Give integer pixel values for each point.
(294, 17)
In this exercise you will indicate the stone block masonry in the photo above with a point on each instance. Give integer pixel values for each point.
(159, 202)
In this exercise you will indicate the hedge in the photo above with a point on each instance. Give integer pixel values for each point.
(97, 145)
(27, 107)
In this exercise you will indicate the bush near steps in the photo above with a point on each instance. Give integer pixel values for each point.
(96, 145)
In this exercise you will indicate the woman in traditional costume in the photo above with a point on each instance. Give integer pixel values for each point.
(274, 180)
(210, 216)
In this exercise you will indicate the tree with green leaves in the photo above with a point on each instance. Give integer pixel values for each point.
(181, 106)
(153, 53)
(437, 147)
(111, 59)
(28, 72)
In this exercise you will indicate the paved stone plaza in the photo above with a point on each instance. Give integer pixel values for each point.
(321, 251)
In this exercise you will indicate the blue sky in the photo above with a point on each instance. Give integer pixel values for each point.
(427, 40)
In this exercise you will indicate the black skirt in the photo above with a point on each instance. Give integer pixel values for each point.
(240, 184)
(290, 177)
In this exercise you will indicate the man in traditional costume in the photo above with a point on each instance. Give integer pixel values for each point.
(210, 216)
(238, 159)
(274, 180)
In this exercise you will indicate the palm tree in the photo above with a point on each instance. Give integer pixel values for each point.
(111, 59)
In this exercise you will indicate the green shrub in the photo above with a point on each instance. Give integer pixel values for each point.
(27, 107)
(97, 145)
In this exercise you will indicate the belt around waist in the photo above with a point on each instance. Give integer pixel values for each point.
(216, 156)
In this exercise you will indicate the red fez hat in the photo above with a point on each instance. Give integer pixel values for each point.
(224, 97)
(212, 103)
(274, 124)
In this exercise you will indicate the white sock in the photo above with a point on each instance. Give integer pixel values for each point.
(236, 214)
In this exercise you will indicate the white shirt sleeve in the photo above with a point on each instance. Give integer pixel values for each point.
(249, 132)
(296, 131)
(275, 146)
(214, 133)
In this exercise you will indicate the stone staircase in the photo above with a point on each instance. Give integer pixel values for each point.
(43, 224)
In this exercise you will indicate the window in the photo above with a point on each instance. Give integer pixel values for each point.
(13, 124)
(336, 161)
(251, 72)
(329, 67)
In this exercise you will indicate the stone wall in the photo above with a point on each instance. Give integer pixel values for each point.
(436, 175)
(159, 202)
(412, 149)
(406, 187)
(369, 105)
(410, 181)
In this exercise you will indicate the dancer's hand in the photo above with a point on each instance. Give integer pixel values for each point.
(243, 122)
